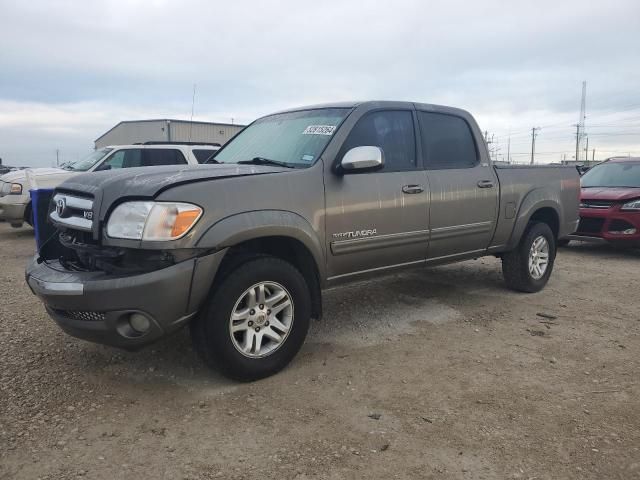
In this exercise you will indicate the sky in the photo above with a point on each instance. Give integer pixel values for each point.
(70, 70)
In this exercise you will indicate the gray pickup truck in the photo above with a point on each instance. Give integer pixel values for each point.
(299, 201)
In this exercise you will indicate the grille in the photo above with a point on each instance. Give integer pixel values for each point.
(5, 188)
(590, 225)
(72, 211)
(81, 316)
(596, 204)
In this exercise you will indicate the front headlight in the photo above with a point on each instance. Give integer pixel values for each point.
(632, 205)
(152, 220)
(16, 189)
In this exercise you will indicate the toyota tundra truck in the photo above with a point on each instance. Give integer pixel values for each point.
(301, 200)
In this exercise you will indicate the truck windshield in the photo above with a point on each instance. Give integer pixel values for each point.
(87, 162)
(613, 174)
(292, 139)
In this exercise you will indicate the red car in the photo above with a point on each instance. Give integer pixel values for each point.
(610, 203)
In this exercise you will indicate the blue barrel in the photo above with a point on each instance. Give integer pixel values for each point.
(40, 200)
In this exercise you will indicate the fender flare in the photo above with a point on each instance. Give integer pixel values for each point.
(532, 202)
(241, 227)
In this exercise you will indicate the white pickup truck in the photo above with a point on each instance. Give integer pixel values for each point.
(15, 201)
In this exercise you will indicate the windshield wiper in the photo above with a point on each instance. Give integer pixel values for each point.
(266, 161)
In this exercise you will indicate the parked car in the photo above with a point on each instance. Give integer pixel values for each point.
(298, 201)
(15, 202)
(610, 203)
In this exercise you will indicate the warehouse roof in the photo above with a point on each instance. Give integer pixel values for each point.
(172, 120)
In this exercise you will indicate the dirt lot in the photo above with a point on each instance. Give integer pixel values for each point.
(440, 373)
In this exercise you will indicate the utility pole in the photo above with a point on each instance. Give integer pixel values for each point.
(586, 151)
(593, 156)
(57, 157)
(533, 142)
(193, 103)
(581, 122)
(509, 148)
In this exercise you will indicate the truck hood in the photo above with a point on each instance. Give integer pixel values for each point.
(149, 181)
(609, 193)
(110, 186)
(20, 176)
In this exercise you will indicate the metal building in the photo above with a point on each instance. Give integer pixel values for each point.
(138, 131)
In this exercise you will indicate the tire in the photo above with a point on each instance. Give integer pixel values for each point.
(515, 264)
(211, 330)
(563, 243)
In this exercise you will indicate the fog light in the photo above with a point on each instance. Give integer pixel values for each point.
(139, 322)
(628, 231)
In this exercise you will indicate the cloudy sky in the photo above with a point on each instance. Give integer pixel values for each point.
(69, 70)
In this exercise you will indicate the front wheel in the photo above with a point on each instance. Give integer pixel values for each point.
(529, 266)
(255, 321)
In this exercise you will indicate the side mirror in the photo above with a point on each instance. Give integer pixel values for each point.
(362, 158)
(103, 167)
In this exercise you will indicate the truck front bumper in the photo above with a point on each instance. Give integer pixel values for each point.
(100, 308)
(12, 210)
(611, 225)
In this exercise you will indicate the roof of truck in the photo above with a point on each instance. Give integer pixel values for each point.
(623, 159)
(380, 103)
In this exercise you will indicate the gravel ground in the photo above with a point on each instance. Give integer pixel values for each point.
(439, 373)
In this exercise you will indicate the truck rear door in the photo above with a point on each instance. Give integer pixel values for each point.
(462, 185)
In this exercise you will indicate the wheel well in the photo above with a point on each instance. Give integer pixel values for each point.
(549, 216)
(286, 248)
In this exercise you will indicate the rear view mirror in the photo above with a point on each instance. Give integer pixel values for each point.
(362, 158)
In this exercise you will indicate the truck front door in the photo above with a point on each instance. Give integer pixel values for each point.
(463, 186)
(378, 219)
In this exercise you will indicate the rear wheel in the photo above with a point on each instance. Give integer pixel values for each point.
(255, 321)
(528, 267)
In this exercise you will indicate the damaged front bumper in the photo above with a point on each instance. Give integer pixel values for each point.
(102, 308)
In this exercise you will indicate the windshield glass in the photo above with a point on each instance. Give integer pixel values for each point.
(87, 162)
(619, 174)
(294, 139)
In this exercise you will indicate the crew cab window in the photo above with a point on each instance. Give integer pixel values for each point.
(447, 141)
(392, 131)
(162, 156)
(123, 159)
(203, 155)
(143, 157)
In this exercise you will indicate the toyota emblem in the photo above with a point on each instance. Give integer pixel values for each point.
(61, 206)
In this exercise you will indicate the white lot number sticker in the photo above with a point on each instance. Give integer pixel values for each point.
(319, 130)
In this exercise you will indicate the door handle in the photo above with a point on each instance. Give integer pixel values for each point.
(412, 189)
(485, 184)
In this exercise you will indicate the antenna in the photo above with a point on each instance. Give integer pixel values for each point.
(193, 103)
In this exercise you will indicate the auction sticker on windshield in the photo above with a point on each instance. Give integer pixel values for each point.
(319, 130)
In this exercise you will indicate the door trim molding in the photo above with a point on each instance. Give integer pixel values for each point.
(356, 245)
(443, 233)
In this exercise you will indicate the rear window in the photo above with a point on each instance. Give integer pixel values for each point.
(203, 155)
(447, 141)
(162, 156)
